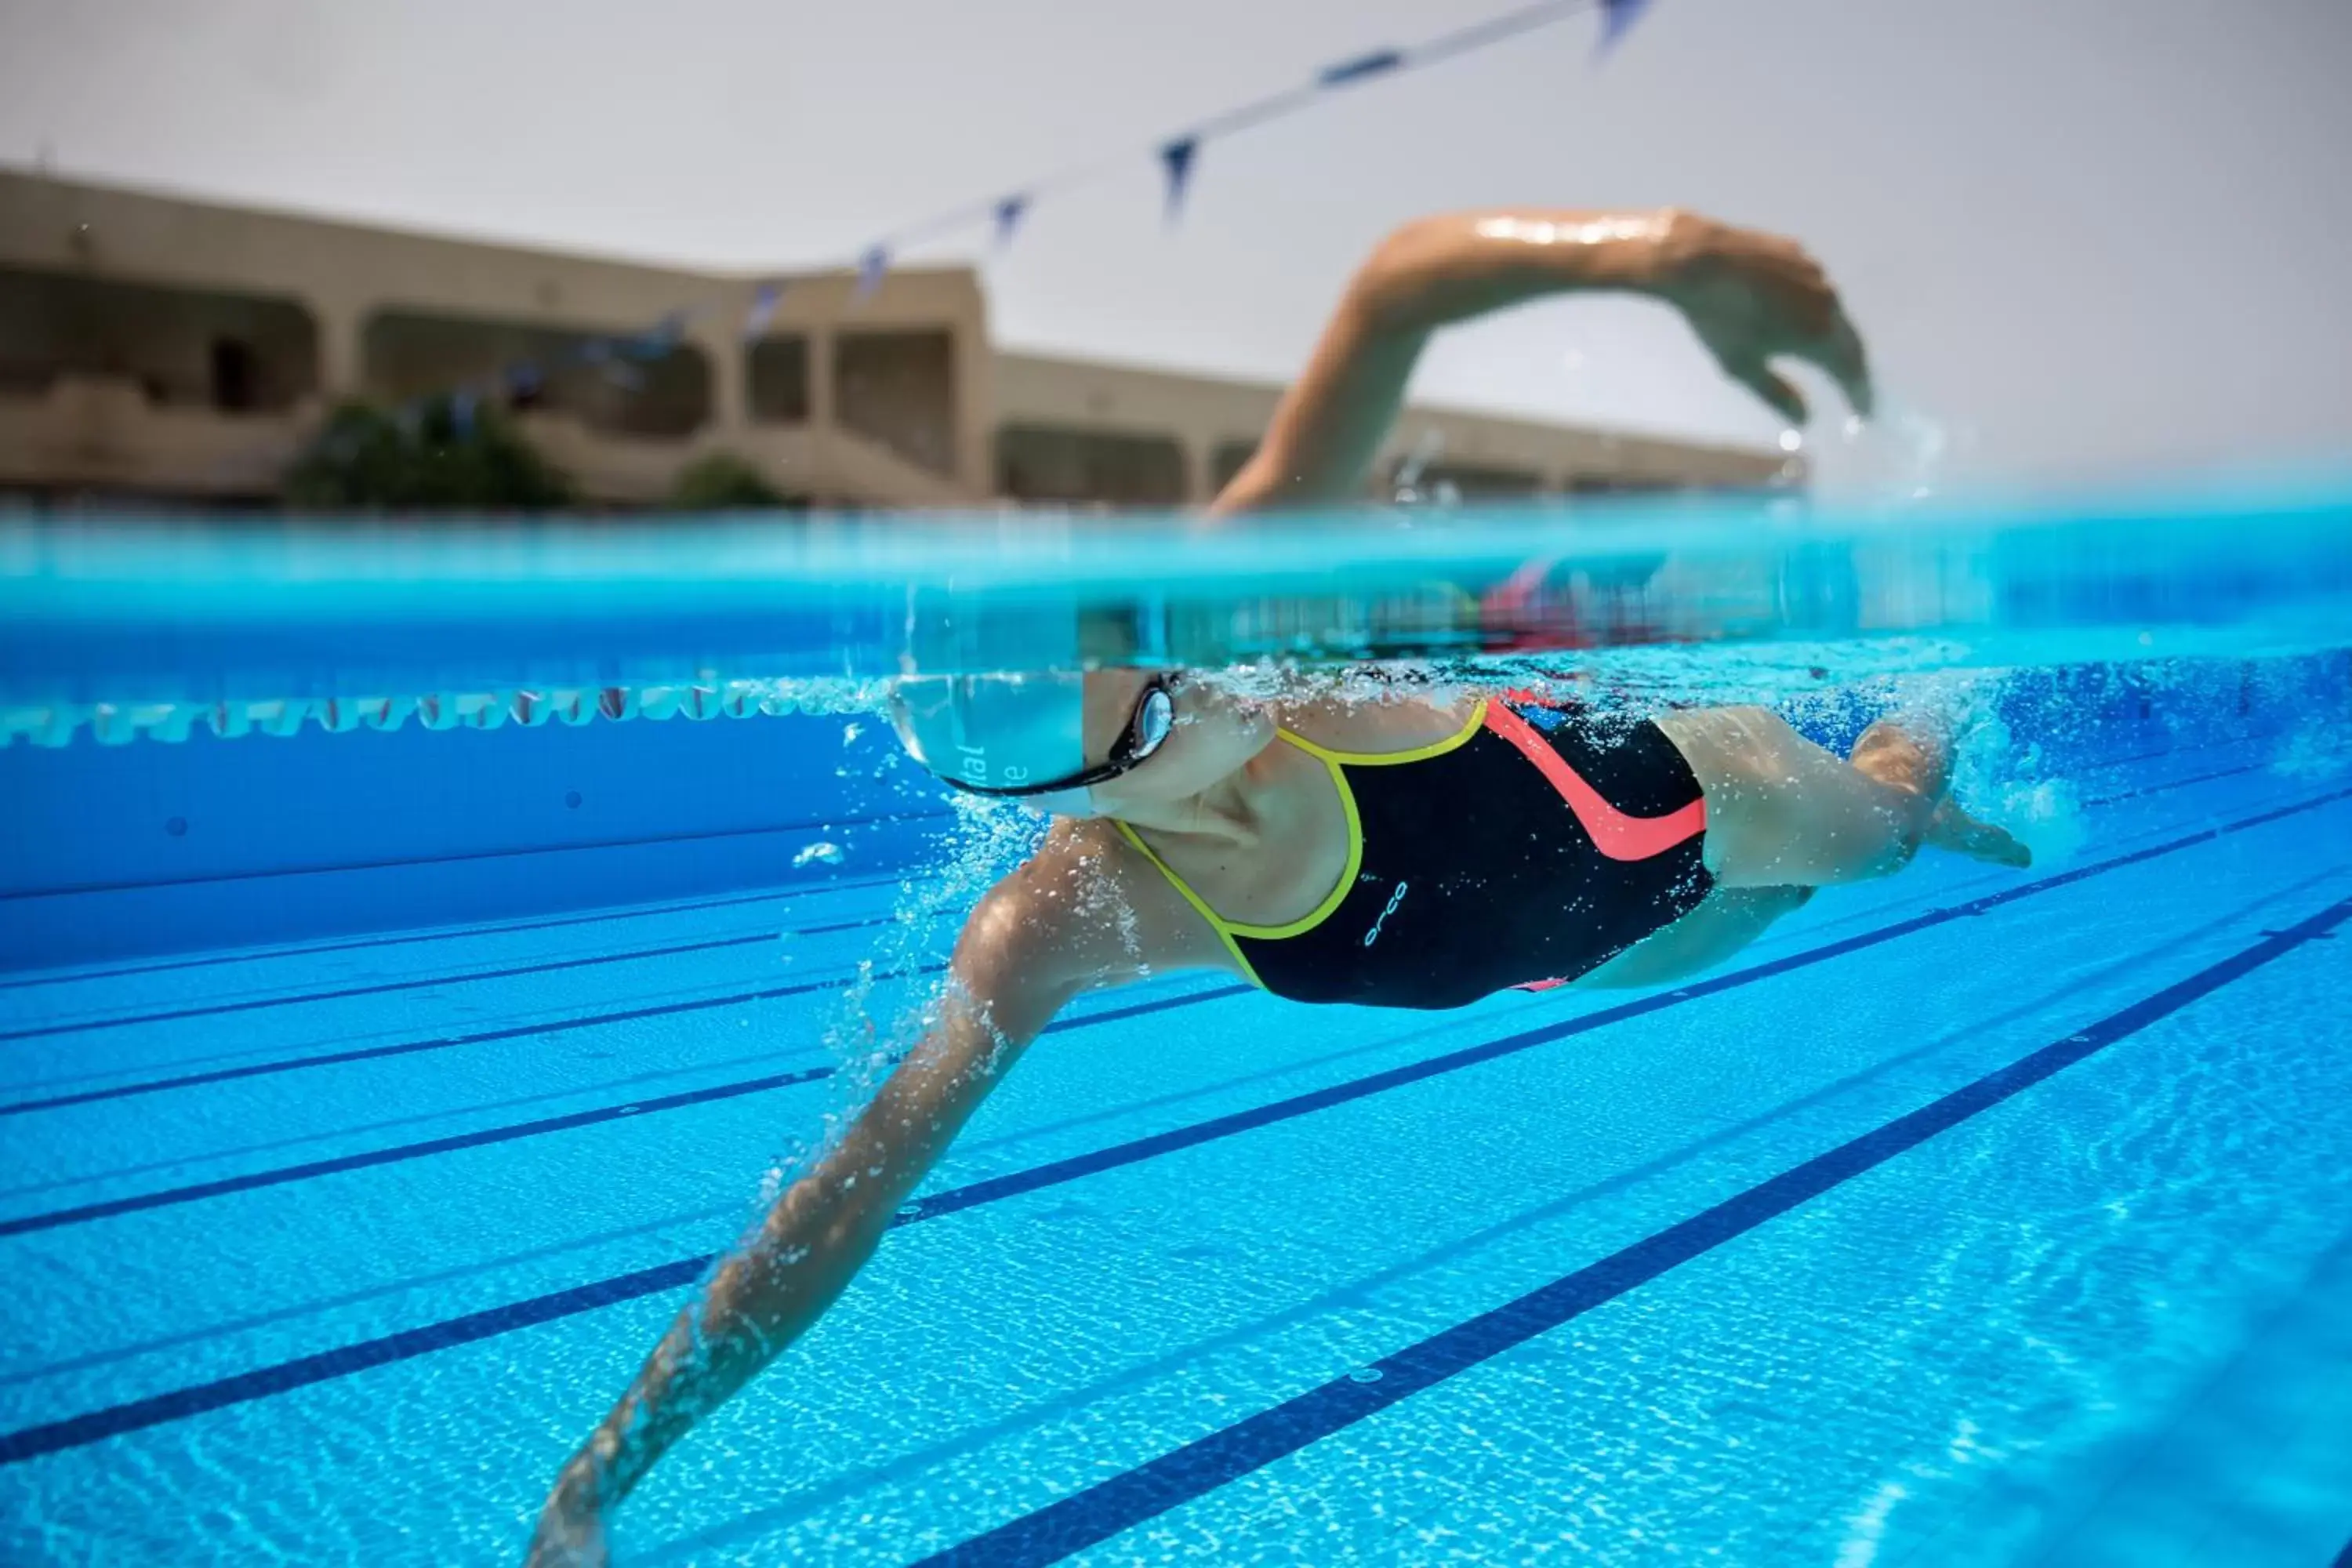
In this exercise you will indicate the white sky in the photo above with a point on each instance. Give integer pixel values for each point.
(2092, 238)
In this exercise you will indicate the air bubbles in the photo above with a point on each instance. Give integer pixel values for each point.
(1792, 439)
(823, 849)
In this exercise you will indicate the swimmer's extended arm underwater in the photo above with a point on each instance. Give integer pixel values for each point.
(1749, 297)
(1024, 952)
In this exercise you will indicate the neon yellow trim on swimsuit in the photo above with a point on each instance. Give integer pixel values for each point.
(1216, 921)
(1322, 911)
(1227, 930)
(1381, 759)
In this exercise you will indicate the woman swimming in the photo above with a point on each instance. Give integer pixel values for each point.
(1401, 853)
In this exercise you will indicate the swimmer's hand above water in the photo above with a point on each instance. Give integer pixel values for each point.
(1750, 296)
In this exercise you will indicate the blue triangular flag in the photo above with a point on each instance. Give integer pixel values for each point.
(1617, 19)
(764, 309)
(1176, 157)
(1008, 217)
(871, 265)
(1347, 73)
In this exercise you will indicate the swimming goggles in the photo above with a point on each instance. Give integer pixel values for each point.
(1148, 729)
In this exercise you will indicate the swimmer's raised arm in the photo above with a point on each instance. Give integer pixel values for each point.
(1749, 296)
(1035, 942)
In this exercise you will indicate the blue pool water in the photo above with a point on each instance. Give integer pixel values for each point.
(364, 1128)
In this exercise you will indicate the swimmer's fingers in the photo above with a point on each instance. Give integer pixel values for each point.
(1745, 358)
(1851, 365)
(1754, 297)
(1839, 352)
(1772, 387)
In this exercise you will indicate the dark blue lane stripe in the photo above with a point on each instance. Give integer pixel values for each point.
(398, 862)
(77, 1431)
(2173, 784)
(410, 1047)
(280, 1175)
(1167, 1143)
(27, 1224)
(426, 982)
(115, 1420)
(334, 1058)
(1111, 1507)
(2343, 1558)
(441, 933)
(440, 1043)
(451, 934)
(370, 1053)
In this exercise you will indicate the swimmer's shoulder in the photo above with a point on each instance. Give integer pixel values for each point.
(1380, 725)
(1126, 885)
(1088, 906)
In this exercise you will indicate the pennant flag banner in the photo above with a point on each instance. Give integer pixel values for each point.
(764, 300)
(1617, 19)
(1347, 73)
(1176, 159)
(1008, 218)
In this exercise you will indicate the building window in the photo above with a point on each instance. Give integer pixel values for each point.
(600, 378)
(897, 389)
(186, 347)
(1619, 485)
(1052, 463)
(233, 375)
(778, 369)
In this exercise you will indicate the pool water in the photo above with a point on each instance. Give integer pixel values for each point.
(1972, 1216)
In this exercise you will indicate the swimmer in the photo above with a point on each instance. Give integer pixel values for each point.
(1399, 853)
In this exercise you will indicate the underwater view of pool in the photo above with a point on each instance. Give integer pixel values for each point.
(407, 1000)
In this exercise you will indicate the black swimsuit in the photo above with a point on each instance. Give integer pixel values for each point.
(1525, 850)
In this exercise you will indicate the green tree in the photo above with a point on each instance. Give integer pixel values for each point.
(443, 454)
(722, 482)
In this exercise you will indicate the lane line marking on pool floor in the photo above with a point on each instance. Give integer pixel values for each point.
(649, 911)
(370, 1053)
(438, 1043)
(571, 1121)
(88, 889)
(516, 1031)
(71, 977)
(1071, 1169)
(1111, 1507)
(323, 1366)
(426, 983)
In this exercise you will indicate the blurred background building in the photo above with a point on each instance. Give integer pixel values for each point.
(175, 351)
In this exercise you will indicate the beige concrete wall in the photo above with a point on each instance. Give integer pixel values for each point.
(344, 274)
(106, 432)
